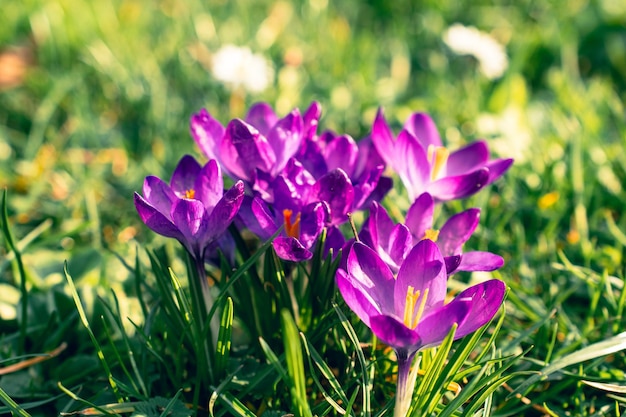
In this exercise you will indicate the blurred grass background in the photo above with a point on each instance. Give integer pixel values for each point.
(94, 96)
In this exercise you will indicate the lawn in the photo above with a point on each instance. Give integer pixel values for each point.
(101, 315)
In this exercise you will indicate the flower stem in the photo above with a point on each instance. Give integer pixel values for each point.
(406, 382)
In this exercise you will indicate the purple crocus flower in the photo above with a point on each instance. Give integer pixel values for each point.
(257, 148)
(425, 165)
(303, 207)
(408, 312)
(393, 242)
(193, 208)
(300, 229)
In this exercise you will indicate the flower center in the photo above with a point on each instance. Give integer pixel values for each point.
(431, 234)
(190, 193)
(437, 157)
(412, 309)
(292, 228)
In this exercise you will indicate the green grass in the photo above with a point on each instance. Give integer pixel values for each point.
(106, 101)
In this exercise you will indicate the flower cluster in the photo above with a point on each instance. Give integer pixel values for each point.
(296, 182)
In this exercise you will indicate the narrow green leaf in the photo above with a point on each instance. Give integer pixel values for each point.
(83, 319)
(366, 385)
(15, 409)
(596, 350)
(295, 364)
(8, 236)
(222, 352)
(315, 358)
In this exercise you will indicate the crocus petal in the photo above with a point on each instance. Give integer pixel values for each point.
(291, 249)
(342, 153)
(311, 158)
(256, 216)
(422, 126)
(450, 188)
(225, 211)
(369, 157)
(400, 244)
(419, 217)
(312, 220)
(379, 225)
(379, 192)
(262, 117)
(480, 261)
(356, 297)
(209, 185)
(422, 269)
(382, 138)
(374, 276)
(452, 263)
(285, 139)
(336, 190)
(159, 195)
(184, 175)
(207, 132)
(368, 184)
(391, 242)
(456, 231)
(155, 220)
(411, 164)
(292, 188)
(244, 149)
(395, 333)
(189, 217)
(497, 168)
(311, 119)
(467, 159)
(436, 324)
(485, 300)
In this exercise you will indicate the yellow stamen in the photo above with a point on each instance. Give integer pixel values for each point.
(291, 229)
(412, 316)
(420, 310)
(190, 193)
(431, 234)
(437, 157)
(409, 306)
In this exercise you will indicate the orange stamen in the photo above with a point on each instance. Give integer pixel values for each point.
(190, 194)
(292, 229)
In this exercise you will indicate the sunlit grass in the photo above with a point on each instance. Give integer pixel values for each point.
(101, 96)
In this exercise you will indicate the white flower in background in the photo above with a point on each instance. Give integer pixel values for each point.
(237, 66)
(467, 40)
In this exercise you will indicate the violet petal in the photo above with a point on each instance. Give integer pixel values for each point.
(436, 324)
(262, 117)
(456, 231)
(419, 217)
(159, 195)
(207, 132)
(156, 220)
(422, 126)
(291, 249)
(486, 299)
(450, 188)
(394, 333)
(423, 268)
(467, 159)
(480, 261)
(209, 185)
